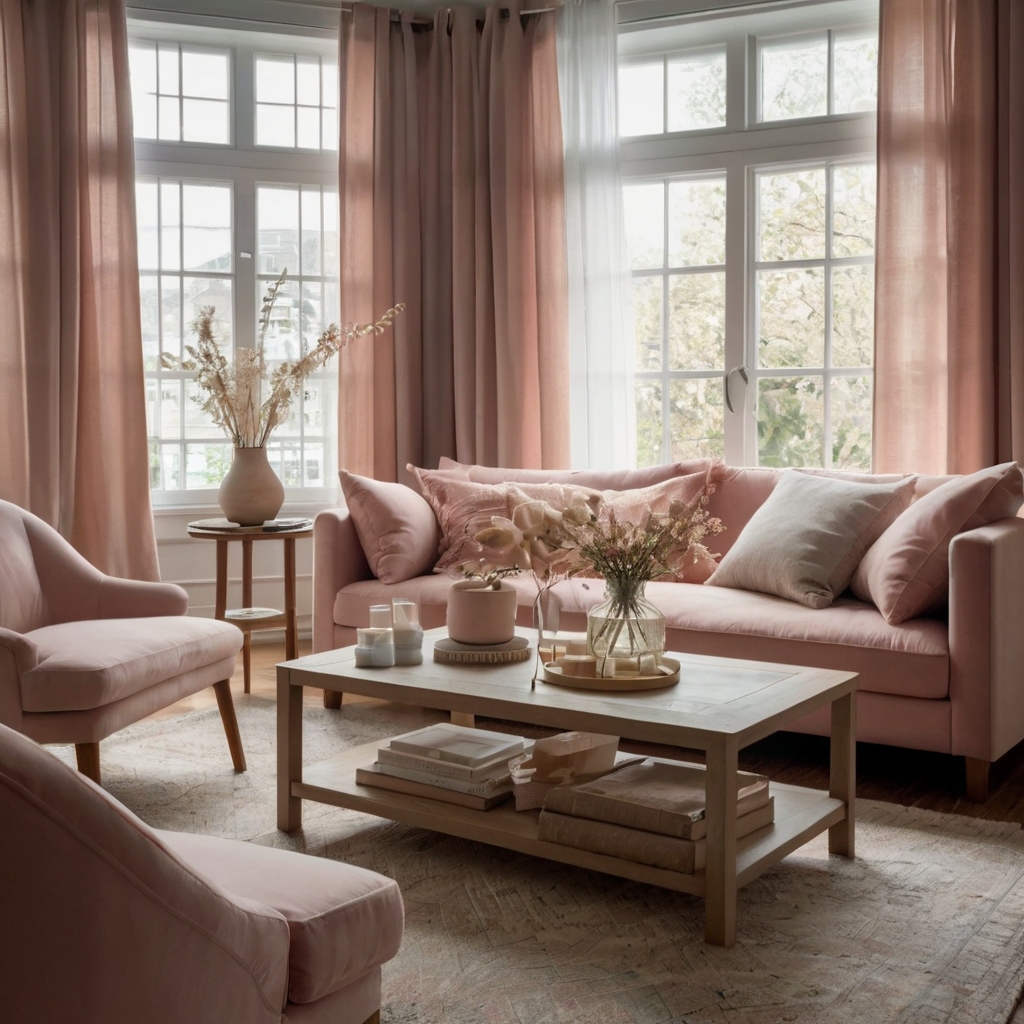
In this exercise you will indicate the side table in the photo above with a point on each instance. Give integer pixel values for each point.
(248, 619)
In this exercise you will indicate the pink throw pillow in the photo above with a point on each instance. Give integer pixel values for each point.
(463, 507)
(905, 573)
(396, 527)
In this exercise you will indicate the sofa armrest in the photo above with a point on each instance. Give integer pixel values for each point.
(17, 655)
(132, 599)
(338, 560)
(986, 639)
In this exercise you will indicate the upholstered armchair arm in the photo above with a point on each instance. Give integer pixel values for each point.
(986, 639)
(17, 655)
(130, 599)
(338, 560)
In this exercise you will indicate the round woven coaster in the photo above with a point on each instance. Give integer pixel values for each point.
(451, 652)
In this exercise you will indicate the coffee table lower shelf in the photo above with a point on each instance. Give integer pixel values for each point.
(800, 814)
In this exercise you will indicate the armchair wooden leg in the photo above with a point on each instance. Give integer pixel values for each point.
(977, 779)
(88, 755)
(227, 716)
(332, 699)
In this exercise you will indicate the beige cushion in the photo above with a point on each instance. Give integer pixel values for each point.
(806, 540)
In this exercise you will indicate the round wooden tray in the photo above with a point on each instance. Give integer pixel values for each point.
(451, 652)
(669, 676)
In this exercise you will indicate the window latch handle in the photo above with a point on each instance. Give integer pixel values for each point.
(742, 371)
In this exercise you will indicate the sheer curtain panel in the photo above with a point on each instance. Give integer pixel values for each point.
(72, 405)
(452, 200)
(949, 306)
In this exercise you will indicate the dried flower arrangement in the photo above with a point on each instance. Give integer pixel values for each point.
(231, 394)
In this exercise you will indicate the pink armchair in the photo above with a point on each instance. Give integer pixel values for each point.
(106, 921)
(83, 654)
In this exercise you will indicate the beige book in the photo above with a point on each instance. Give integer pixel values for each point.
(683, 855)
(371, 775)
(666, 797)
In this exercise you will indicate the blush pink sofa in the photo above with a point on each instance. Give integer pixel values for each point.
(107, 921)
(951, 682)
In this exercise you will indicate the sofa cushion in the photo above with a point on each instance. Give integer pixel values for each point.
(96, 662)
(906, 571)
(806, 540)
(397, 528)
(344, 920)
(598, 479)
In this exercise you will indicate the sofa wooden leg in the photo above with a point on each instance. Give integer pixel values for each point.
(332, 699)
(227, 716)
(977, 779)
(88, 755)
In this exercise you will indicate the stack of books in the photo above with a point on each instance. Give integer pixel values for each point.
(652, 813)
(446, 762)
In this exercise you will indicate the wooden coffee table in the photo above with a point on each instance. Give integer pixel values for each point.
(719, 705)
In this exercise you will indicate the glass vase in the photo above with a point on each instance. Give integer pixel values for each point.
(625, 624)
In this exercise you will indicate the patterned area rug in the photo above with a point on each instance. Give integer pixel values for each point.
(926, 925)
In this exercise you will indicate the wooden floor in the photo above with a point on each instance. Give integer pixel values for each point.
(913, 778)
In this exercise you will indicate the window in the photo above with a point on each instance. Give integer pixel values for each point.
(747, 148)
(236, 183)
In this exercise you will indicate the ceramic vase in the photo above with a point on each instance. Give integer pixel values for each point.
(479, 615)
(625, 624)
(251, 493)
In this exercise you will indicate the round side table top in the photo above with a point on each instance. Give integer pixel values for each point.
(213, 528)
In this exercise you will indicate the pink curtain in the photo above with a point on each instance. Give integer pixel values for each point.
(452, 200)
(72, 412)
(949, 306)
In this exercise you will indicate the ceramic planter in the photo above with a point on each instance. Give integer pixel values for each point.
(479, 615)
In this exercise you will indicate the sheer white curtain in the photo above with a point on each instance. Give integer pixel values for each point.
(602, 408)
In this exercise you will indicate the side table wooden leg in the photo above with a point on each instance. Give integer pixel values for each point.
(289, 751)
(291, 631)
(842, 779)
(247, 603)
(720, 872)
(221, 601)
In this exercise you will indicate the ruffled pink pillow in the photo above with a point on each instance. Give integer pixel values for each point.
(905, 573)
(396, 527)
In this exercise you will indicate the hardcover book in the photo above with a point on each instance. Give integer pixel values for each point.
(459, 745)
(659, 851)
(488, 770)
(665, 797)
(486, 787)
(372, 776)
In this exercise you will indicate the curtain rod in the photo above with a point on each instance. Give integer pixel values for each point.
(422, 20)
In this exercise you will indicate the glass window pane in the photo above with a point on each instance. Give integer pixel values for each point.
(170, 408)
(648, 423)
(170, 225)
(644, 212)
(170, 466)
(696, 321)
(853, 209)
(170, 314)
(277, 227)
(794, 79)
(330, 129)
(329, 83)
(152, 390)
(204, 74)
(313, 464)
(853, 315)
(851, 423)
(144, 124)
(142, 66)
(275, 125)
(275, 79)
(207, 227)
(791, 215)
(855, 73)
(197, 423)
(147, 224)
(283, 333)
(790, 421)
(791, 317)
(641, 99)
(168, 64)
(312, 311)
(310, 256)
(210, 291)
(206, 465)
(307, 127)
(205, 121)
(307, 81)
(696, 419)
(330, 222)
(696, 92)
(332, 306)
(696, 223)
(170, 119)
(647, 313)
(149, 300)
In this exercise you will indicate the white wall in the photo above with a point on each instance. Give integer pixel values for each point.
(192, 564)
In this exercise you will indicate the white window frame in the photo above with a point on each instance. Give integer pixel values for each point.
(245, 166)
(738, 150)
